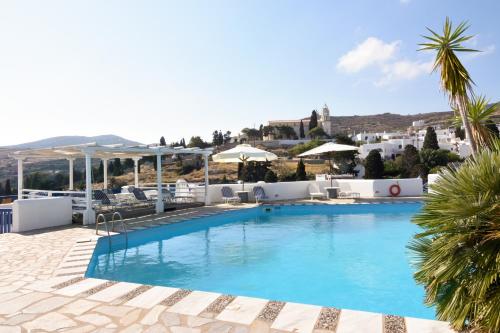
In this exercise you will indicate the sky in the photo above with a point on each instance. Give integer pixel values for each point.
(145, 69)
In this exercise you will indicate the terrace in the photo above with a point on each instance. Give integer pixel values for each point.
(45, 283)
(43, 288)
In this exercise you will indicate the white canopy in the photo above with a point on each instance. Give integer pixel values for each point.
(243, 153)
(328, 148)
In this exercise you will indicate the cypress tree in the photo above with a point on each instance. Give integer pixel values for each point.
(128, 164)
(215, 138)
(111, 167)
(374, 166)
(430, 140)
(313, 123)
(100, 170)
(117, 167)
(409, 160)
(301, 130)
(2, 192)
(300, 173)
(220, 138)
(162, 141)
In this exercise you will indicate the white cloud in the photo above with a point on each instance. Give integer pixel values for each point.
(483, 52)
(383, 56)
(403, 70)
(372, 51)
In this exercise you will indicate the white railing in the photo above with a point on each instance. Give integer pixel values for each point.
(77, 197)
(191, 192)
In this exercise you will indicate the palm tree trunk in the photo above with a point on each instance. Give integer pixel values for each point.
(461, 103)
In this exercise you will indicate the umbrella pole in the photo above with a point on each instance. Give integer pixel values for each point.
(331, 173)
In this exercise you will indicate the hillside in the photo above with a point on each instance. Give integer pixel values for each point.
(391, 122)
(73, 140)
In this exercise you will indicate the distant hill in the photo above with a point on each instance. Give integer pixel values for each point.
(391, 122)
(73, 140)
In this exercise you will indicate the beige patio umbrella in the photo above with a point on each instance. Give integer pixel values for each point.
(329, 147)
(242, 154)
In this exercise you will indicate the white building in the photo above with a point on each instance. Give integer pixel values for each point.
(365, 137)
(393, 144)
(324, 121)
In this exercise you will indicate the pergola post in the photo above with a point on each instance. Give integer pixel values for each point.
(71, 160)
(136, 171)
(90, 216)
(20, 178)
(105, 173)
(205, 158)
(159, 185)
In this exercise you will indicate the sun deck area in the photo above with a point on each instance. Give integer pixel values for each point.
(42, 287)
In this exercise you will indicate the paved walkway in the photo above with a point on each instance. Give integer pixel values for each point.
(42, 288)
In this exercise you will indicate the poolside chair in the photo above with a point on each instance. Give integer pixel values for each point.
(228, 195)
(183, 191)
(259, 194)
(314, 191)
(346, 193)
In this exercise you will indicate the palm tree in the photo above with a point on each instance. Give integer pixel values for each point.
(479, 112)
(455, 79)
(456, 253)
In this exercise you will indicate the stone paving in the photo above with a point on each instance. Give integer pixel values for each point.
(42, 289)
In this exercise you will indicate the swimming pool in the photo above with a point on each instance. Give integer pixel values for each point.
(346, 256)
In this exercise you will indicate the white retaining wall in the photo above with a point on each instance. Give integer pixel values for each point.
(31, 214)
(431, 179)
(367, 188)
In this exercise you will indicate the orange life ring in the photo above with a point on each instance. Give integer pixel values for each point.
(395, 190)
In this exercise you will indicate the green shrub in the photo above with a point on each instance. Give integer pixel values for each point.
(391, 169)
(186, 169)
(457, 253)
(287, 177)
(453, 157)
(431, 158)
(303, 147)
(270, 177)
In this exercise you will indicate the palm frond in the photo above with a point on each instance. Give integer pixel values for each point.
(457, 254)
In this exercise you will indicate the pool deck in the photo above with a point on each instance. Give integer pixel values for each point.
(42, 288)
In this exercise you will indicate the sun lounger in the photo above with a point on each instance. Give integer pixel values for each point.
(228, 195)
(104, 202)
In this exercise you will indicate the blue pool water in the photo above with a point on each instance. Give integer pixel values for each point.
(346, 256)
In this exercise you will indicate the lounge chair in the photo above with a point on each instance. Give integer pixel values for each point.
(314, 192)
(228, 195)
(104, 201)
(259, 194)
(141, 197)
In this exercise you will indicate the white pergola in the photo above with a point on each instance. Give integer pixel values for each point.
(106, 153)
